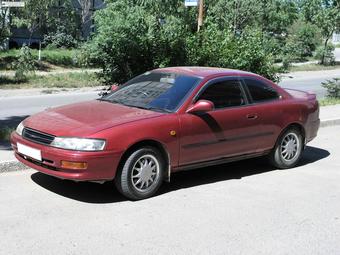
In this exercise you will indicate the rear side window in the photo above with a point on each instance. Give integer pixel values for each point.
(224, 94)
(259, 91)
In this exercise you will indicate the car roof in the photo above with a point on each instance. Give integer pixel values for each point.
(204, 72)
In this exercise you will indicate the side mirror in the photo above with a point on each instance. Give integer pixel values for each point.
(201, 106)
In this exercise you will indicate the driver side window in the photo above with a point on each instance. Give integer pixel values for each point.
(224, 94)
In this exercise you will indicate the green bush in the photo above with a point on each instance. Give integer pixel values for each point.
(61, 38)
(333, 88)
(325, 55)
(303, 39)
(222, 48)
(132, 39)
(5, 133)
(24, 64)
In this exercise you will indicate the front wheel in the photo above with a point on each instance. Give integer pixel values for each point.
(141, 174)
(288, 149)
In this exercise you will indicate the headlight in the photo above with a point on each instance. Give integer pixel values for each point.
(19, 129)
(79, 144)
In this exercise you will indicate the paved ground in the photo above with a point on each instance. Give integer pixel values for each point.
(56, 71)
(239, 208)
(14, 108)
(309, 81)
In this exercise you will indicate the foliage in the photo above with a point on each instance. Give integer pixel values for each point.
(62, 80)
(333, 88)
(303, 39)
(131, 40)
(325, 14)
(59, 57)
(329, 101)
(248, 51)
(60, 39)
(25, 64)
(5, 133)
(325, 55)
(134, 37)
(49, 17)
(4, 27)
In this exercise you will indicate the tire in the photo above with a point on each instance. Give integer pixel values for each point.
(288, 149)
(141, 175)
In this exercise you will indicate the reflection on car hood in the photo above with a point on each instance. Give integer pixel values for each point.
(86, 118)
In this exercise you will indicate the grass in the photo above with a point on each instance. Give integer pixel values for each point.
(5, 133)
(65, 80)
(59, 57)
(313, 67)
(329, 101)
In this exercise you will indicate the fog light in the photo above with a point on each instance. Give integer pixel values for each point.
(73, 165)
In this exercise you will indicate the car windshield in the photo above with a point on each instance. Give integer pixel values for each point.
(154, 91)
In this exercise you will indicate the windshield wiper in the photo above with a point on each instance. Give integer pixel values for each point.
(148, 108)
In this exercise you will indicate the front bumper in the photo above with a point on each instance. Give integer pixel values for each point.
(101, 165)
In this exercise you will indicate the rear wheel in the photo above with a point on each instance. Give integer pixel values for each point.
(288, 149)
(141, 175)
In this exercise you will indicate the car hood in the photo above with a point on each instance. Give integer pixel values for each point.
(86, 118)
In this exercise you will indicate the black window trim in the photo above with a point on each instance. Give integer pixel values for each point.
(221, 79)
(250, 98)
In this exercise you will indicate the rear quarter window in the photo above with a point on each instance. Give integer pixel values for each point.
(260, 91)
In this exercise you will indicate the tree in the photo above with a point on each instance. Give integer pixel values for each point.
(235, 15)
(303, 39)
(4, 28)
(133, 37)
(326, 15)
(49, 16)
(33, 15)
(85, 10)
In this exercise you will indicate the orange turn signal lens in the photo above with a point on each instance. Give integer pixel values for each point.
(73, 165)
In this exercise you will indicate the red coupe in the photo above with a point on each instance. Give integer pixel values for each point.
(169, 120)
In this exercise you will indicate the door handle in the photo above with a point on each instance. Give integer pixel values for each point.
(252, 116)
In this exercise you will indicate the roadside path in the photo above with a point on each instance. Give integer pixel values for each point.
(55, 71)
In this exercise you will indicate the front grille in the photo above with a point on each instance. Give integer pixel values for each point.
(37, 137)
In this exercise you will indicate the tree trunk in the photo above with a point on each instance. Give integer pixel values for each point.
(325, 48)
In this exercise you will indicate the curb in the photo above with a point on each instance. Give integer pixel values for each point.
(14, 165)
(330, 122)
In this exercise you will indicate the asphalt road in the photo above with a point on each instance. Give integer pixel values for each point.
(312, 84)
(240, 208)
(309, 81)
(14, 109)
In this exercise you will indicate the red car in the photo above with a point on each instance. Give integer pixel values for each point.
(169, 120)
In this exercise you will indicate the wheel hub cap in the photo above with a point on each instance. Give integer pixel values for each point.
(145, 172)
(290, 147)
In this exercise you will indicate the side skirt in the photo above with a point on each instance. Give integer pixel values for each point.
(220, 161)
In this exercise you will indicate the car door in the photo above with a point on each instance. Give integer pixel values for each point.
(230, 129)
(265, 100)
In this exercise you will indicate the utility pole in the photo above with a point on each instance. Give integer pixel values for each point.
(200, 15)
